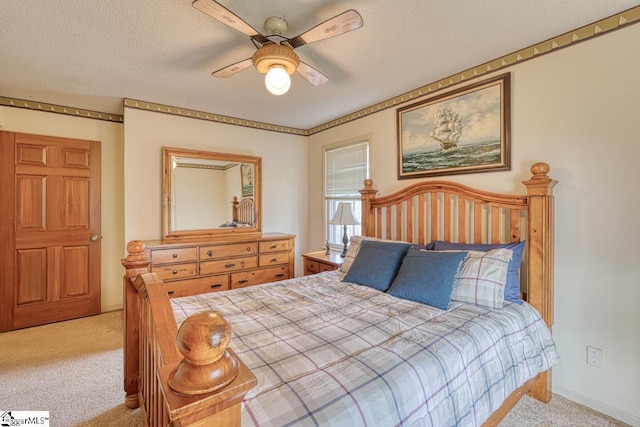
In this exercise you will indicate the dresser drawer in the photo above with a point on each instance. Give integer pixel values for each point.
(311, 267)
(275, 246)
(273, 259)
(231, 264)
(226, 251)
(165, 256)
(201, 285)
(256, 277)
(175, 271)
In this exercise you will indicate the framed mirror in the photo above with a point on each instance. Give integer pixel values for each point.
(210, 194)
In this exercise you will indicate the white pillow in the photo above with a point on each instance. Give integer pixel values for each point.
(482, 277)
(352, 251)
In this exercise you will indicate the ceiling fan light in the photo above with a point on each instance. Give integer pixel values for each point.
(271, 54)
(277, 80)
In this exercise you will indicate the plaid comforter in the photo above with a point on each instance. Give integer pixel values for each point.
(326, 352)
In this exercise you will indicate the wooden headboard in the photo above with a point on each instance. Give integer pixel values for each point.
(442, 210)
(243, 211)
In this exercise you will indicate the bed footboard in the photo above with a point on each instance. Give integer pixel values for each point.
(212, 381)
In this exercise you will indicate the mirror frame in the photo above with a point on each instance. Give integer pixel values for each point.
(167, 191)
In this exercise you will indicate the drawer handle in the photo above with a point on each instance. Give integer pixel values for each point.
(216, 285)
(210, 252)
(248, 248)
(274, 259)
(171, 292)
(280, 275)
(175, 271)
(243, 281)
(229, 265)
(274, 246)
(175, 255)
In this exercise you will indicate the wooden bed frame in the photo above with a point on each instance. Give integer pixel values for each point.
(422, 212)
(243, 211)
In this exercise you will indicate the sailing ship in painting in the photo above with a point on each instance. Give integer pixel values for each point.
(447, 128)
(454, 148)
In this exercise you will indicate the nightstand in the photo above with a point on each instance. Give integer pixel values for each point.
(316, 262)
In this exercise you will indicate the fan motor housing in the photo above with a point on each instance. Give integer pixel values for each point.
(275, 54)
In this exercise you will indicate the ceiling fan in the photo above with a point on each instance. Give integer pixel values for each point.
(274, 55)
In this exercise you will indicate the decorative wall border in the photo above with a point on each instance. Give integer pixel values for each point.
(60, 109)
(603, 26)
(201, 115)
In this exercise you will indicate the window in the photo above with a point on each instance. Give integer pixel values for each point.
(345, 169)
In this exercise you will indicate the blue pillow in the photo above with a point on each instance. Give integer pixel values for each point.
(377, 263)
(427, 277)
(512, 287)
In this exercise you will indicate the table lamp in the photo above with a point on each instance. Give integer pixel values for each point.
(344, 216)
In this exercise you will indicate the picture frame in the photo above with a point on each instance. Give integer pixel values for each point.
(463, 131)
(246, 173)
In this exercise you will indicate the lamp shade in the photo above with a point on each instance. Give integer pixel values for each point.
(344, 215)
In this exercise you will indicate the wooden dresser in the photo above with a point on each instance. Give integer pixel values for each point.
(195, 266)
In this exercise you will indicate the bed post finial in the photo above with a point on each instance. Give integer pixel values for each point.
(540, 184)
(135, 249)
(540, 257)
(368, 193)
(136, 261)
(207, 366)
(540, 169)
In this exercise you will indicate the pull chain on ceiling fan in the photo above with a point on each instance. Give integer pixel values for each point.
(277, 59)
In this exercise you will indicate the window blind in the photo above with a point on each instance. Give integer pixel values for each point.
(345, 170)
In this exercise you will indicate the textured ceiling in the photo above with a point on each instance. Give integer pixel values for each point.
(91, 55)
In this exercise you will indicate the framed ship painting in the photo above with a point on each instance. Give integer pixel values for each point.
(246, 173)
(463, 131)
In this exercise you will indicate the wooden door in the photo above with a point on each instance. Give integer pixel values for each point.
(49, 229)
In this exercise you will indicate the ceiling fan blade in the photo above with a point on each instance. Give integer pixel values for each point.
(340, 24)
(232, 69)
(310, 74)
(224, 15)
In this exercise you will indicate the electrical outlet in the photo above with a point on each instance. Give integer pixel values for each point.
(594, 356)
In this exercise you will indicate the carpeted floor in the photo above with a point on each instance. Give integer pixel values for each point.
(73, 370)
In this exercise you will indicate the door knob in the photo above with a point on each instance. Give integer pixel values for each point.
(94, 237)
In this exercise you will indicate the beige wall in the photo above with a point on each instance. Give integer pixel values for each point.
(284, 175)
(112, 144)
(577, 109)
